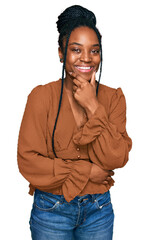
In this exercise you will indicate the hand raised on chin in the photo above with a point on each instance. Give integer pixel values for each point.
(84, 92)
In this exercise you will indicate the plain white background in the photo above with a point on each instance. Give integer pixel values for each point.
(29, 57)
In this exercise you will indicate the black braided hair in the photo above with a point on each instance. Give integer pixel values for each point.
(74, 17)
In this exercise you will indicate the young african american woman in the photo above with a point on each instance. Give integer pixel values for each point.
(72, 136)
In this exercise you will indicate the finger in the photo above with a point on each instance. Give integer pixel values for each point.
(108, 178)
(73, 74)
(105, 182)
(93, 78)
(111, 173)
(74, 88)
(76, 82)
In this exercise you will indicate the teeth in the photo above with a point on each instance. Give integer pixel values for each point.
(84, 68)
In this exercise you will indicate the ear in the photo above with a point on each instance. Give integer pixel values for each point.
(61, 56)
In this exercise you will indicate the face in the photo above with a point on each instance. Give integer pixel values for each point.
(83, 56)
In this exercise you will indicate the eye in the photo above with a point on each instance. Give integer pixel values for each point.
(77, 50)
(95, 51)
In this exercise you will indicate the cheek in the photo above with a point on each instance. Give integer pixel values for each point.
(97, 62)
(70, 61)
(71, 58)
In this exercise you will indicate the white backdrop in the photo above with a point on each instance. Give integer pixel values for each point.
(29, 57)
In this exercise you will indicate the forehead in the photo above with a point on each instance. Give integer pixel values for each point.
(84, 35)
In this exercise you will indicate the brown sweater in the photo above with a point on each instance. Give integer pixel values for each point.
(102, 139)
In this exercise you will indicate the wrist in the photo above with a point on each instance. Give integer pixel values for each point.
(91, 108)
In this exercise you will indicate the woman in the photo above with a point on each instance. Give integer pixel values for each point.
(72, 136)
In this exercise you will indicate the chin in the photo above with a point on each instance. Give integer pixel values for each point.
(88, 78)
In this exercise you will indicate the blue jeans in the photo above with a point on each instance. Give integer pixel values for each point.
(84, 218)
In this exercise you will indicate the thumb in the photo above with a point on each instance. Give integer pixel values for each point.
(93, 78)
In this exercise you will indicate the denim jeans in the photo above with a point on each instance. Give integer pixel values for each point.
(84, 218)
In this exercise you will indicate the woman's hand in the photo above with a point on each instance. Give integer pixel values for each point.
(100, 175)
(84, 92)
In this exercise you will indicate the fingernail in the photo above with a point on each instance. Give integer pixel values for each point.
(70, 73)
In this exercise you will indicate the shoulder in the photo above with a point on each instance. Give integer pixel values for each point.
(111, 97)
(41, 95)
(110, 93)
(43, 90)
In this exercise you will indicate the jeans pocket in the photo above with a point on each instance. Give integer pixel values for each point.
(103, 200)
(99, 206)
(46, 202)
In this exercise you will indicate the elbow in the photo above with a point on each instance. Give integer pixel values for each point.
(22, 166)
(121, 158)
(117, 158)
(121, 162)
(19, 162)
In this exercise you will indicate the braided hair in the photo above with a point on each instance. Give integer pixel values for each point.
(74, 17)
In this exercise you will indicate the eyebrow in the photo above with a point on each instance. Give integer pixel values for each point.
(75, 43)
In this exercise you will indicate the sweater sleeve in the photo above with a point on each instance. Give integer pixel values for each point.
(106, 135)
(34, 163)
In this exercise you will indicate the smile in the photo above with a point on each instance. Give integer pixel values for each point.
(84, 69)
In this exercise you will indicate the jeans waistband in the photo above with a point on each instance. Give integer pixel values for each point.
(90, 197)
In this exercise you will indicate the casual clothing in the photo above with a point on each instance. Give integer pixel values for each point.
(102, 139)
(89, 217)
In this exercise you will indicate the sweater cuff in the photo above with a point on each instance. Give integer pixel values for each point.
(92, 128)
(77, 175)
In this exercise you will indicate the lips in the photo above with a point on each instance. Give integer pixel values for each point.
(84, 68)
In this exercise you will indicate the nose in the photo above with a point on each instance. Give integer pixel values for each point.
(85, 57)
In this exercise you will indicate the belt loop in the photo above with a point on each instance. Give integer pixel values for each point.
(62, 199)
(93, 197)
(81, 198)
